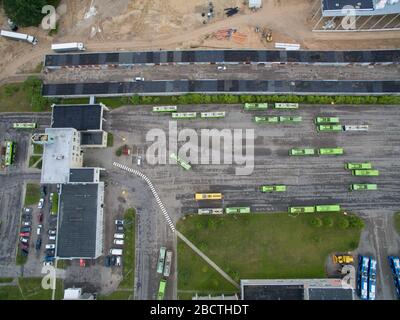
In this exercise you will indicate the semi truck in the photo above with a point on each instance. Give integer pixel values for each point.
(358, 166)
(301, 152)
(19, 36)
(210, 211)
(68, 47)
(233, 210)
(168, 261)
(326, 120)
(273, 188)
(272, 119)
(165, 109)
(363, 186)
(208, 196)
(255, 106)
(330, 151)
(362, 173)
(161, 260)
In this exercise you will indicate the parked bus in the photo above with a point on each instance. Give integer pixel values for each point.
(266, 119)
(208, 196)
(256, 106)
(24, 125)
(161, 259)
(358, 166)
(285, 119)
(372, 279)
(394, 263)
(326, 120)
(362, 173)
(185, 165)
(309, 209)
(168, 262)
(331, 151)
(10, 153)
(161, 289)
(232, 210)
(210, 211)
(329, 128)
(208, 115)
(363, 186)
(362, 277)
(184, 115)
(275, 188)
(327, 208)
(301, 152)
(286, 105)
(165, 109)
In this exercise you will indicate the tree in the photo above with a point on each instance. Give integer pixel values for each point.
(316, 222)
(25, 13)
(343, 223)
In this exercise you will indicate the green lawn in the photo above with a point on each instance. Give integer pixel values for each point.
(6, 280)
(33, 160)
(54, 205)
(32, 194)
(128, 259)
(262, 246)
(30, 289)
(110, 140)
(20, 260)
(37, 149)
(397, 221)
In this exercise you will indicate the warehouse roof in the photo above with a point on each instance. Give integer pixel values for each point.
(79, 117)
(77, 221)
(81, 175)
(339, 4)
(91, 138)
(330, 294)
(274, 292)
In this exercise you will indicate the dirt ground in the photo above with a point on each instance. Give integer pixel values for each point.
(107, 25)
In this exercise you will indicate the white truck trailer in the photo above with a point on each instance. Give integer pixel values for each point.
(19, 36)
(67, 47)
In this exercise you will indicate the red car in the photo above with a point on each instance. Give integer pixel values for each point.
(24, 234)
(41, 217)
(82, 263)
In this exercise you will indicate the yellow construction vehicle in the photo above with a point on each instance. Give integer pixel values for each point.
(343, 259)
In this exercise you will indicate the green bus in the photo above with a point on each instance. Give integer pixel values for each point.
(310, 209)
(358, 166)
(326, 120)
(286, 105)
(331, 151)
(327, 208)
(24, 125)
(363, 186)
(161, 259)
(273, 188)
(207, 115)
(161, 289)
(10, 153)
(301, 152)
(184, 115)
(237, 210)
(290, 119)
(255, 106)
(181, 162)
(266, 119)
(165, 109)
(329, 128)
(365, 173)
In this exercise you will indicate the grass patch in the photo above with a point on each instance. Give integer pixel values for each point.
(20, 260)
(197, 276)
(110, 140)
(10, 293)
(30, 289)
(116, 295)
(74, 101)
(6, 280)
(39, 165)
(37, 149)
(270, 245)
(32, 194)
(61, 264)
(54, 206)
(128, 262)
(397, 221)
(33, 160)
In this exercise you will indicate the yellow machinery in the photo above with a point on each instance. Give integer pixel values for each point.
(208, 196)
(343, 259)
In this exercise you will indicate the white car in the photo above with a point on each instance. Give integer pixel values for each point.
(52, 238)
(40, 204)
(50, 246)
(52, 232)
(221, 68)
(139, 79)
(118, 261)
(24, 240)
(119, 242)
(118, 221)
(39, 229)
(51, 196)
(139, 161)
(118, 235)
(26, 223)
(48, 263)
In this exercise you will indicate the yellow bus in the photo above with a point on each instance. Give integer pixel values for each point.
(208, 196)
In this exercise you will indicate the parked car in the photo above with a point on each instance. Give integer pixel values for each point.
(24, 252)
(82, 263)
(113, 260)
(120, 228)
(118, 235)
(118, 261)
(139, 160)
(139, 79)
(25, 229)
(49, 258)
(24, 234)
(28, 210)
(24, 246)
(119, 222)
(107, 261)
(48, 263)
(50, 252)
(50, 246)
(24, 240)
(221, 67)
(119, 242)
(39, 229)
(26, 223)
(40, 217)
(43, 190)
(52, 238)
(52, 232)
(41, 203)
(51, 196)
(38, 243)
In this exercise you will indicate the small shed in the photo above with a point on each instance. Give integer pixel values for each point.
(255, 4)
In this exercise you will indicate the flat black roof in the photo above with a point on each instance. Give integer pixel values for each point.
(273, 292)
(92, 138)
(79, 117)
(330, 294)
(221, 86)
(81, 175)
(77, 221)
(225, 56)
(339, 4)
